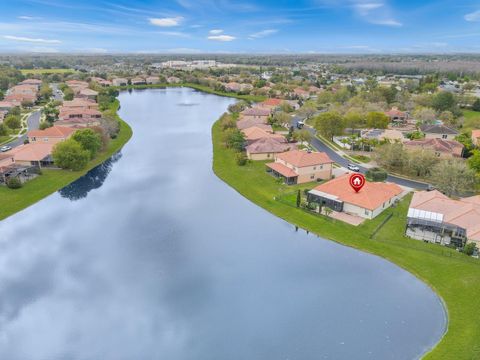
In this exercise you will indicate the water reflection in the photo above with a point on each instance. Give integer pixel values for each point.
(95, 178)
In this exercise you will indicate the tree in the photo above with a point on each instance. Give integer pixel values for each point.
(289, 136)
(286, 107)
(299, 198)
(377, 120)
(329, 124)
(469, 249)
(453, 177)
(238, 107)
(89, 140)
(45, 91)
(476, 105)
(110, 126)
(71, 155)
(227, 122)
(234, 139)
(13, 121)
(280, 118)
(444, 101)
(51, 113)
(474, 161)
(302, 135)
(466, 141)
(3, 130)
(448, 118)
(425, 114)
(44, 125)
(354, 120)
(392, 156)
(420, 163)
(68, 94)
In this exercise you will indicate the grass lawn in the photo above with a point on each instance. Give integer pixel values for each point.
(46, 71)
(361, 158)
(472, 120)
(51, 181)
(454, 276)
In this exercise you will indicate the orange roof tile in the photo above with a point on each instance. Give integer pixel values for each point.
(32, 152)
(282, 169)
(300, 158)
(371, 196)
(54, 131)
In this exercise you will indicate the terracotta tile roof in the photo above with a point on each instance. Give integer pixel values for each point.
(282, 169)
(271, 102)
(267, 145)
(255, 111)
(247, 123)
(300, 158)
(255, 133)
(80, 103)
(88, 92)
(6, 104)
(464, 212)
(475, 134)
(440, 145)
(395, 112)
(371, 196)
(32, 152)
(54, 131)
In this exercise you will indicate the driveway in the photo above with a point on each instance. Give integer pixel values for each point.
(33, 122)
(321, 146)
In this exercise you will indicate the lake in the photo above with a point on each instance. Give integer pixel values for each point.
(151, 256)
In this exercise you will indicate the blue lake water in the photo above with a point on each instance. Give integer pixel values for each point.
(151, 256)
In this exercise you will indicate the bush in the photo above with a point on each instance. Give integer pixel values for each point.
(241, 159)
(13, 121)
(377, 174)
(469, 249)
(14, 183)
(71, 155)
(89, 139)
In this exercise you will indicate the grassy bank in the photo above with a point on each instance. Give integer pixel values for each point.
(51, 181)
(454, 276)
(46, 71)
(206, 89)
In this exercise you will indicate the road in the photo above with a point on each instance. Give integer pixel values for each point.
(321, 146)
(57, 93)
(33, 122)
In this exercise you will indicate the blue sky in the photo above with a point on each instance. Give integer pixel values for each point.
(239, 26)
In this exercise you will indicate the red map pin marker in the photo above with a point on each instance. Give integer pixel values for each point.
(357, 181)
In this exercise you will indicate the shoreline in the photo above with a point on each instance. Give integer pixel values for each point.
(448, 346)
(53, 180)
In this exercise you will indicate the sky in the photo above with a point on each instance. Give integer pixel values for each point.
(240, 26)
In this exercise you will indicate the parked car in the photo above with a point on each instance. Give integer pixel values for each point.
(5, 148)
(300, 124)
(353, 167)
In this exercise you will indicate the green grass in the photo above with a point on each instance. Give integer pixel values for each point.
(51, 180)
(361, 158)
(206, 89)
(454, 276)
(472, 120)
(46, 71)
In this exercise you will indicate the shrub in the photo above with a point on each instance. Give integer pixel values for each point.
(71, 155)
(89, 139)
(241, 159)
(469, 249)
(377, 174)
(14, 183)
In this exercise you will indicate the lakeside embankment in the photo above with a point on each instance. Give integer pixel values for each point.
(453, 276)
(52, 180)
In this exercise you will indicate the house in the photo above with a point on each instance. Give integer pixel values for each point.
(369, 202)
(36, 154)
(436, 218)
(301, 93)
(51, 135)
(299, 166)
(438, 131)
(67, 113)
(173, 80)
(248, 123)
(440, 147)
(6, 105)
(255, 133)
(138, 81)
(77, 85)
(120, 82)
(266, 148)
(152, 80)
(33, 82)
(88, 94)
(255, 113)
(396, 116)
(79, 104)
(18, 99)
(6, 159)
(101, 82)
(475, 137)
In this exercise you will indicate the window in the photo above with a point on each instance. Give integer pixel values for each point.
(444, 136)
(314, 168)
(367, 212)
(312, 176)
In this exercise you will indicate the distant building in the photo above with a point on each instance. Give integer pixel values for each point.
(120, 82)
(51, 135)
(255, 113)
(396, 116)
(440, 147)
(266, 148)
(438, 131)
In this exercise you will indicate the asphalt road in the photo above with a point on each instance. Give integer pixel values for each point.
(33, 122)
(321, 146)
(57, 93)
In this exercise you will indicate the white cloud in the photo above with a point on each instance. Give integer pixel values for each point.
(28, 17)
(365, 8)
(474, 16)
(32, 40)
(166, 22)
(387, 22)
(216, 31)
(174, 33)
(263, 33)
(223, 38)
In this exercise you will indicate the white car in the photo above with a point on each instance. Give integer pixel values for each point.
(5, 148)
(353, 167)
